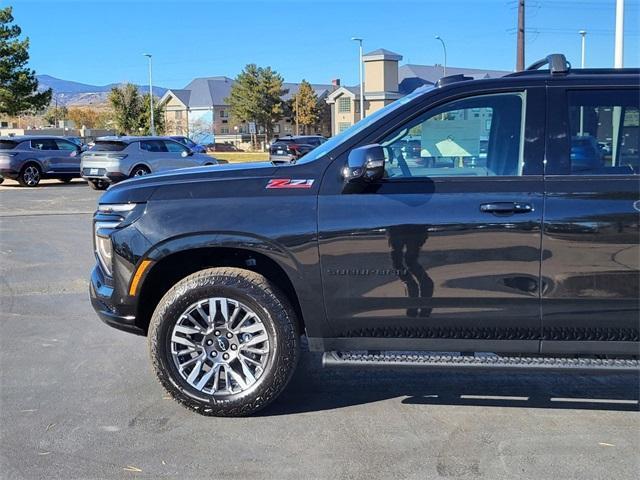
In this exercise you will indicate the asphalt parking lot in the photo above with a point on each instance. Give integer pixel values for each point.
(78, 400)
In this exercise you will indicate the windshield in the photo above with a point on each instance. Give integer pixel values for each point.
(356, 128)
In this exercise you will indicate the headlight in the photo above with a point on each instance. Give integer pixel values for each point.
(107, 219)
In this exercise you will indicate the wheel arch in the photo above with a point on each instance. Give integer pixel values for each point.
(139, 164)
(168, 268)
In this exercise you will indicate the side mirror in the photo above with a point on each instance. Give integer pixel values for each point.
(365, 164)
(186, 153)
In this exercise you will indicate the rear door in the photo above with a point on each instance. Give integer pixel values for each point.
(445, 251)
(69, 154)
(591, 254)
(175, 158)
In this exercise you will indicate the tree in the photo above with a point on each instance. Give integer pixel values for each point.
(54, 114)
(158, 116)
(127, 107)
(18, 83)
(305, 106)
(84, 117)
(256, 96)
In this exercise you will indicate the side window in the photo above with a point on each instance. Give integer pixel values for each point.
(44, 144)
(155, 146)
(174, 147)
(66, 146)
(604, 131)
(475, 136)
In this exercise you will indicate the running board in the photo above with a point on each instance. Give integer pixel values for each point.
(476, 362)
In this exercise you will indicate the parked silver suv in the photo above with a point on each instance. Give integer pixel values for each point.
(113, 159)
(30, 158)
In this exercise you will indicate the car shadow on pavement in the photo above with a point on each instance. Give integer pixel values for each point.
(316, 389)
(45, 184)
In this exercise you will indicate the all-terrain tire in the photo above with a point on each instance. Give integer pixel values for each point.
(267, 302)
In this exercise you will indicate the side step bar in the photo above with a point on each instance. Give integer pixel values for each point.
(425, 360)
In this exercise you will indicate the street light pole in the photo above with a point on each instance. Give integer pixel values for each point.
(359, 40)
(153, 127)
(619, 49)
(444, 47)
(583, 34)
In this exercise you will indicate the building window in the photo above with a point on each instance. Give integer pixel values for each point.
(342, 126)
(178, 114)
(224, 130)
(276, 128)
(288, 129)
(344, 105)
(224, 114)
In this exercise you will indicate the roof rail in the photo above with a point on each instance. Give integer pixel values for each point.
(452, 79)
(557, 62)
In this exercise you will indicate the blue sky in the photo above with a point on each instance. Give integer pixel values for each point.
(102, 42)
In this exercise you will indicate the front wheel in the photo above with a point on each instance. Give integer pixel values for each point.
(224, 342)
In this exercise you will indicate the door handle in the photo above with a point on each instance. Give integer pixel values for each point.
(503, 208)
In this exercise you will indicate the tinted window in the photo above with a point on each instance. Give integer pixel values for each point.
(174, 147)
(67, 146)
(108, 146)
(477, 136)
(7, 144)
(44, 144)
(604, 131)
(154, 146)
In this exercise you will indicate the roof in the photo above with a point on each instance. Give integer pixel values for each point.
(22, 138)
(412, 76)
(205, 92)
(129, 138)
(382, 54)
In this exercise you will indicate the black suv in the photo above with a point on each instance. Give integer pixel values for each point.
(510, 241)
(289, 149)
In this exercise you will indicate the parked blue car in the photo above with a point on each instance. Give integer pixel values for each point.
(187, 142)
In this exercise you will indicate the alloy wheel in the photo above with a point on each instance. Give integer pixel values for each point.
(220, 346)
(31, 176)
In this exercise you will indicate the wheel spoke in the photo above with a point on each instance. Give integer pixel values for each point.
(257, 351)
(248, 374)
(255, 328)
(183, 341)
(205, 378)
(187, 330)
(189, 362)
(195, 372)
(237, 377)
(247, 316)
(224, 309)
(256, 340)
(242, 357)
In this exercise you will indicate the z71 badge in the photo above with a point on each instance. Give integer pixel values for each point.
(290, 183)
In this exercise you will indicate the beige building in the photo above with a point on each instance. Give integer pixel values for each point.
(384, 82)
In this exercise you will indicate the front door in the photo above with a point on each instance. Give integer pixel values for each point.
(444, 252)
(69, 157)
(591, 261)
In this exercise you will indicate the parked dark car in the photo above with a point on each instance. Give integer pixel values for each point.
(187, 142)
(223, 147)
(291, 148)
(523, 262)
(30, 158)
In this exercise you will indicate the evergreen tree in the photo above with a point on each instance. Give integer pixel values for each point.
(18, 83)
(256, 97)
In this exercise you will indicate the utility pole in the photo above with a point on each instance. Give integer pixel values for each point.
(619, 49)
(520, 48)
(297, 125)
(583, 34)
(153, 127)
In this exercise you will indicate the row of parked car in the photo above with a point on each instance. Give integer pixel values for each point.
(29, 159)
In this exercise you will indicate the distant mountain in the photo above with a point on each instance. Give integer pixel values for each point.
(71, 93)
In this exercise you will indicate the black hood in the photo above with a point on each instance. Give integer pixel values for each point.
(141, 189)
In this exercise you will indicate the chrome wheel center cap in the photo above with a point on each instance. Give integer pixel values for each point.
(222, 344)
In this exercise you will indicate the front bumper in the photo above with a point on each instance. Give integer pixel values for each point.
(102, 300)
